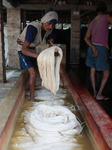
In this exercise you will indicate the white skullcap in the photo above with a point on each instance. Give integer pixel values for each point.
(50, 15)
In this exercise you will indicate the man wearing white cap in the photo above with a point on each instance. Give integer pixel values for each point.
(32, 36)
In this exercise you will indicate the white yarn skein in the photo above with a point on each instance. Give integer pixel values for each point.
(49, 66)
(57, 123)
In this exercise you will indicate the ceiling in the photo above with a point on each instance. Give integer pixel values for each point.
(16, 3)
(35, 8)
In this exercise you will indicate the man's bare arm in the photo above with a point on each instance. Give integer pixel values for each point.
(26, 51)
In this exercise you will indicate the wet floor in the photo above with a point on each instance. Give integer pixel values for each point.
(83, 73)
(11, 77)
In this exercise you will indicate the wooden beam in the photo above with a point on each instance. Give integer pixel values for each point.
(63, 7)
(2, 51)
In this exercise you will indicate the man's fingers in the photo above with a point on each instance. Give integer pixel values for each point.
(56, 54)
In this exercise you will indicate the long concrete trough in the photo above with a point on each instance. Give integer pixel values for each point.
(10, 109)
(99, 124)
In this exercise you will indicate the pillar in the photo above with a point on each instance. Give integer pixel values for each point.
(75, 37)
(2, 55)
(13, 31)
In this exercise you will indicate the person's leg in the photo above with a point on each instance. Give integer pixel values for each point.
(92, 77)
(32, 80)
(103, 82)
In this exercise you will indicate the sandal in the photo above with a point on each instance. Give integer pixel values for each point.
(104, 98)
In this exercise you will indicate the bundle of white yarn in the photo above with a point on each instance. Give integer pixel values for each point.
(49, 67)
(50, 124)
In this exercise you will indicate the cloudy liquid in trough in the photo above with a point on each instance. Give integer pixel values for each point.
(21, 136)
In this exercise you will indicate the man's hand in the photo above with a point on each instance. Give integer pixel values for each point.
(95, 52)
(56, 54)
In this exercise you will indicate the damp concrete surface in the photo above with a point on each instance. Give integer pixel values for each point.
(11, 77)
